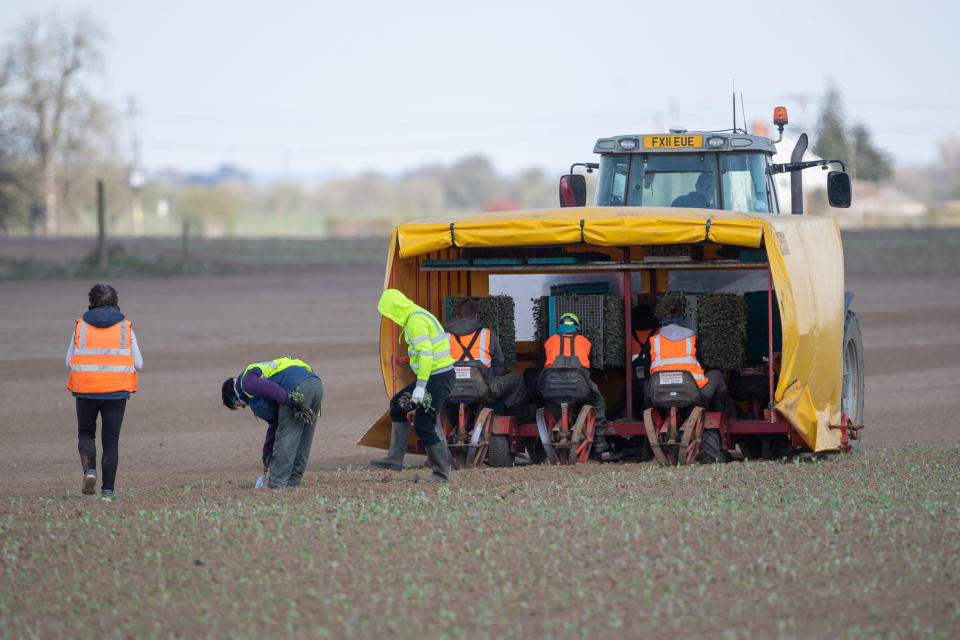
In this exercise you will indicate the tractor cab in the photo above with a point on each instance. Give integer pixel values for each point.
(727, 170)
(695, 170)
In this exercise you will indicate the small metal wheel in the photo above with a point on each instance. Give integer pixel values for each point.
(484, 418)
(581, 436)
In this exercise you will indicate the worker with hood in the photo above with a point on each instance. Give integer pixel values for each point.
(429, 349)
(674, 348)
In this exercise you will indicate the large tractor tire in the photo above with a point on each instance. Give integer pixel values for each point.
(851, 394)
(499, 454)
(711, 449)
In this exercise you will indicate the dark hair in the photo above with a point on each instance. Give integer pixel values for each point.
(102, 295)
(229, 394)
(644, 318)
(672, 308)
(467, 309)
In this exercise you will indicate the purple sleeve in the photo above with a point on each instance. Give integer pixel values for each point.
(256, 385)
(268, 441)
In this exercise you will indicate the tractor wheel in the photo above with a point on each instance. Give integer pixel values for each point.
(499, 453)
(536, 452)
(851, 397)
(711, 451)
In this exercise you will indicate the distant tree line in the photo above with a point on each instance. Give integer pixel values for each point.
(369, 202)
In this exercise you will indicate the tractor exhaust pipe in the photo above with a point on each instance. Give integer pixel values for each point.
(796, 177)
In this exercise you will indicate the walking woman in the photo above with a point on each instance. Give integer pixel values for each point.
(103, 358)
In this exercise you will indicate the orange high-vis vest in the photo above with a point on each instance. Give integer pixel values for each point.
(676, 355)
(567, 344)
(102, 360)
(479, 351)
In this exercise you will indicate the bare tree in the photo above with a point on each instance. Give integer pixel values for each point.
(47, 100)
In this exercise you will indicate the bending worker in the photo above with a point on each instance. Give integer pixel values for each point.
(674, 348)
(469, 340)
(429, 350)
(287, 394)
(574, 349)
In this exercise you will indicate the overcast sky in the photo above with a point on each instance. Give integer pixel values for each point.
(318, 88)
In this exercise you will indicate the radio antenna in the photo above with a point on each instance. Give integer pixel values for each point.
(733, 86)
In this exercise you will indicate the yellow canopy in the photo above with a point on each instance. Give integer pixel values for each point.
(806, 262)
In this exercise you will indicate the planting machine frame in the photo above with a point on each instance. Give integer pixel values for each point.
(430, 260)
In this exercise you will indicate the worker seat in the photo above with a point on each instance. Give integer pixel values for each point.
(667, 389)
(564, 384)
(469, 383)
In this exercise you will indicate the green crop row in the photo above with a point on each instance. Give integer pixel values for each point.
(853, 546)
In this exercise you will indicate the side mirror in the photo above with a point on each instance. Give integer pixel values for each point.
(838, 189)
(573, 190)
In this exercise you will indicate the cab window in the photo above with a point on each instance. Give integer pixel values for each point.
(744, 180)
(613, 180)
(668, 180)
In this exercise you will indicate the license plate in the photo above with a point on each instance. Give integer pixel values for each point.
(462, 373)
(682, 141)
(672, 377)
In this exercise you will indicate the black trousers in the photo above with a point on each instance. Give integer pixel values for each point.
(425, 418)
(111, 418)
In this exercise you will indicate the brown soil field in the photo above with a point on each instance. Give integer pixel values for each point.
(357, 552)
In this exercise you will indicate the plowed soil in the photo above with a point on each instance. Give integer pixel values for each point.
(852, 546)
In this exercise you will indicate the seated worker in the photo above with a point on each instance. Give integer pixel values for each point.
(568, 341)
(285, 393)
(469, 340)
(674, 348)
(701, 196)
(644, 323)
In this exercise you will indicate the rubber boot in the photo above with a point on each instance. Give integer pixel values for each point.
(438, 459)
(600, 444)
(399, 436)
